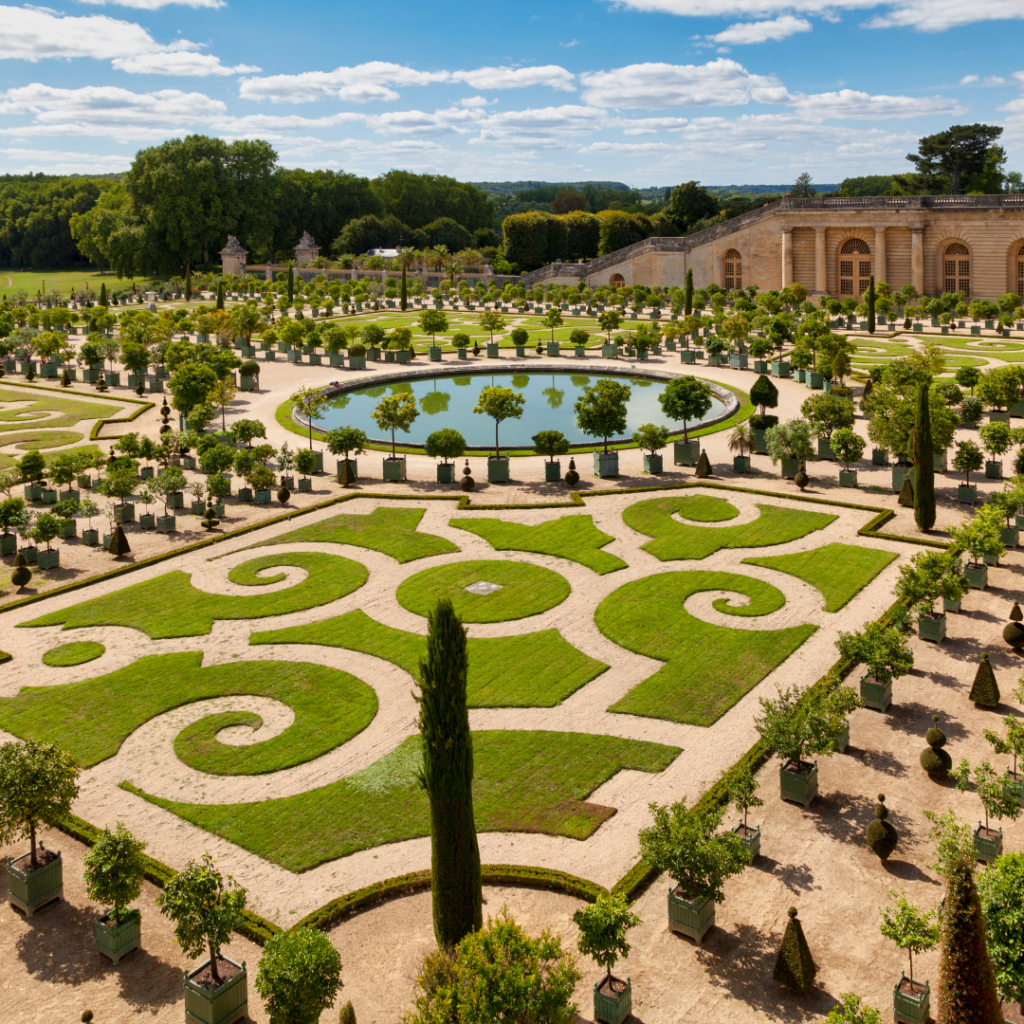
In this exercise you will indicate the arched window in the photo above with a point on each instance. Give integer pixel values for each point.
(957, 269)
(617, 281)
(733, 270)
(854, 267)
(1020, 272)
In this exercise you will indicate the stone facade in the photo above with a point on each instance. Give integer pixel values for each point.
(936, 243)
(232, 257)
(306, 251)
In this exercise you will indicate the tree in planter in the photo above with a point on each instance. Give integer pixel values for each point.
(1001, 890)
(246, 431)
(114, 870)
(796, 725)
(908, 926)
(883, 650)
(47, 527)
(343, 441)
(996, 438)
(684, 398)
(286, 459)
(168, 481)
(38, 784)
(741, 440)
(13, 514)
(550, 443)
(1013, 741)
(447, 778)
(492, 321)
(445, 444)
(650, 438)
(852, 1011)
(205, 909)
(827, 413)
(601, 409)
(260, 477)
(119, 482)
(687, 845)
(980, 536)
(311, 402)
(32, 466)
(500, 404)
(553, 319)
(603, 926)
(396, 412)
(847, 446)
(930, 575)
(996, 792)
(967, 459)
(299, 976)
(433, 322)
(190, 386)
(305, 461)
(790, 440)
(743, 791)
(609, 321)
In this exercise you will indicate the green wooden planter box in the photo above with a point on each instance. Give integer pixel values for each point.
(910, 1008)
(693, 920)
(155, 384)
(993, 469)
(799, 787)
(899, 474)
(69, 530)
(246, 383)
(552, 472)
(33, 492)
(29, 890)
(580, 351)
(939, 461)
(825, 449)
(49, 559)
(460, 353)
(760, 366)
(176, 499)
(966, 494)
(977, 575)
(687, 355)
(223, 1005)
(790, 468)
(552, 348)
(998, 416)
(653, 463)
(198, 508)
(49, 496)
(31, 553)
(613, 1009)
(932, 627)
(245, 494)
(988, 847)
(115, 941)
(357, 362)
(262, 496)
(780, 368)
(389, 356)
(950, 606)
(751, 840)
(8, 544)
(606, 464)
(741, 463)
(847, 478)
(492, 351)
(165, 524)
(738, 360)
(715, 359)
(874, 694)
(1010, 536)
(289, 482)
(879, 457)
(842, 741)
(435, 353)
(445, 472)
(124, 513)
(815, 381)
(393, 469)
(685, 453)
(91, 537)
(497, 469)
(147, 521)
(520, 351)
(801, 376)
(305, 484)
(403, 355)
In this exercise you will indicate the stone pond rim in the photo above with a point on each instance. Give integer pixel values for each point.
(724, 394)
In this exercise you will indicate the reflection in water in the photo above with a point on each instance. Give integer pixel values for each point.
(553, 395)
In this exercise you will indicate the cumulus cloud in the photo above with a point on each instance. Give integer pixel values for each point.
(551, 75)
(59, 162)
(850, 103)
(155, 5)
(968, 79)
(184, 63)
(762, 31)
(720, 82)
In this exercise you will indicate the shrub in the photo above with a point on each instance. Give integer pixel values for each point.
(971, 410)
(881, 835)
(114, 870)
(603, 926)
(445, 444)
(1001, 889)
(909, 927)
(794, 967)
(985, 690)
(299, 976)
(936, 761)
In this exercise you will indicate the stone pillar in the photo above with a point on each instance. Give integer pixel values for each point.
(787, 257)
(917, 257)
(232, 258)
(880, 258)
(720, 269)
(820, 266)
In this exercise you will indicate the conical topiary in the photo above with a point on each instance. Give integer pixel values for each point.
(985, 692)
(1013, 631)
(572, 478)
(906, 498)
(795, 968)
(347, 1015)
(65, 379)
(118, 542)
(22, 573)
(936, 761)
(882, 836)
(801, 479)
(703, 465)
(467, 483)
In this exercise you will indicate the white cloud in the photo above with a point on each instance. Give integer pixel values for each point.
(35, 34)
(968, 79)
(155, 5)
(627, 148)
(473, 101)
(849, 103)
(551, 75)
(358, 84)
(283, 122)
(762, 31)
(419, 123)
(718, 83)
(19, 160)
(183, 63)
(573, 42)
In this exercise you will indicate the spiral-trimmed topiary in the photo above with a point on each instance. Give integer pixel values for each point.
(935, 761)
(467, 483)
(794, 967)
(985, 691)
(22, 573)
(1013, 631)
(882, 836)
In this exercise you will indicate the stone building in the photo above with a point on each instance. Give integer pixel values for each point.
(973, 244)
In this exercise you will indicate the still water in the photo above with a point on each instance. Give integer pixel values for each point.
(449, 401)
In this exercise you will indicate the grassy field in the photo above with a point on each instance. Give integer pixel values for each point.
(707, 668)
(8, 460)
(391, 531)
(839, 571)
(13, 279)
(91, 719)
(572, 537)
(525, 590)
(36, 440)
(34, 408)
(75, 653)
(169, 606)
(674, 540)
(523, 782)
(534, 670)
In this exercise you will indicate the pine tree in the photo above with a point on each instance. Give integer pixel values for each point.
(103, 293)
(985, 690)
(447, 777)
(795, 968)
(924, 463)
(688, 302)
(967, 985)
(291, 285)
(871, 305)
(906, 498)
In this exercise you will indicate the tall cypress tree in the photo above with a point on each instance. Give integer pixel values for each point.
(220, 295)
(291, 285)
(967, 986)
(871, 305)
(924, 463)
(447, 777)
(405, 289)
(688, 300)
(188, 284)
(103, 293)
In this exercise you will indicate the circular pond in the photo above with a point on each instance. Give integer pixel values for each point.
(448, 400)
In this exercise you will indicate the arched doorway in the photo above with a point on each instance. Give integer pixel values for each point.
(854, 267)
(1020, 272)
(956, 269)
(733, 270)
(617, 281)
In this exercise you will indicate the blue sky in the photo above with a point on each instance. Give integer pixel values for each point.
(649, 92)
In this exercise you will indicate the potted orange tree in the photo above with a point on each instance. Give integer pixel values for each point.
(551, 443)
(1011, 743)
(911, 929)
(998, 799)
(500, 404)
(686, 398)
(650, 438)
(395, 412)
(743, 796)
(114, 870)
(884, 651)
(603, 926)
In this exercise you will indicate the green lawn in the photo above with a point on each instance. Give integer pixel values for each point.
(32, 406)
(91, 719)
(392, 531)
(13, 279)
(169, 606)
(675, 540)
(534, 670)
(707, 668)
(525, 590)
(572, 537)
(76, 653)
(37, 439)
(839, 571)
(523, 782)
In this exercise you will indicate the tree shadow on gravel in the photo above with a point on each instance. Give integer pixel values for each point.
(907, 872)
(846, 816)
(882, 761)
(915, 719)
(796, 878)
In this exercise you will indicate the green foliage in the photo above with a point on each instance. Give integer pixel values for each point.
(497, 973)
(602, 929)
(446, 443)
(500, 404)
(204, 908)
(743, 789)
(827, 413)
(847, 445)
(790, 440)
(38, 784)
(687, 845)
(924, 465)
(996, 792)
(936, 761)
(601, 409)
(76, 653)
(299, 976)
(980, 535)
(550, 443)
(345, 441)
(1001, 889)
(930, 575)
(795, 968)
(995, 438)
(395, 412)
(881, 835)
(797, 724)
(169, 606)
(650, 437)
(114, 869)
(882, 649)
(852, 1011)
(347, 1015)
(684, 398)
(985, 690)
(909, 927)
